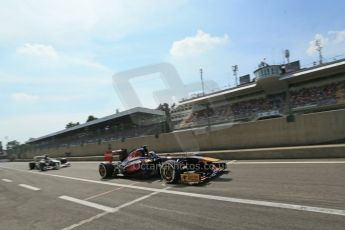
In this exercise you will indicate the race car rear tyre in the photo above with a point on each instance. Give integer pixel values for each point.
(63, 160)
(31, 165)
(43, 167)
(106, 170)
(170, 171)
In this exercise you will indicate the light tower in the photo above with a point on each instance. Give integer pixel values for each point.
(287, 55)
(202, 82)
(234, 70)
(319, 49)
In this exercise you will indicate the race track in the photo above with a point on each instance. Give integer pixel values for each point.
(275, 194)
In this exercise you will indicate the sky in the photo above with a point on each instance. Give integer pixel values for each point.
(61, 61)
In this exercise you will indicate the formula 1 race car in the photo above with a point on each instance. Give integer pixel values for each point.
(140, 163)
(45, 163)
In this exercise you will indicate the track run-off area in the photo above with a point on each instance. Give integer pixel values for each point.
(265, 194)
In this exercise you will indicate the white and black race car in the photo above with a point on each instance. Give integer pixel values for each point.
(45, 163)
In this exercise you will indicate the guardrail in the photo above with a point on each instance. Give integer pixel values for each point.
(293, 152)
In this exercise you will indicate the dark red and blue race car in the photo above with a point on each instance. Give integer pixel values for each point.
(140, 163)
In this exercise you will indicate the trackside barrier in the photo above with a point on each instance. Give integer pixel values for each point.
(295, 152)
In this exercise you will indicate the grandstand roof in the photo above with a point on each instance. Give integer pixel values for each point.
(301, 75)
(232, 91)
(103, 119)
(317, 71)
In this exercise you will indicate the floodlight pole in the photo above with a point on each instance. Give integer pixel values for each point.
(207, 105)
(202, 82)
(319, 49)
(287, 56)
(235, 69)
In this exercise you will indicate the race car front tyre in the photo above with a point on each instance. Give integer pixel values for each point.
(57, 166)
(170, 171)
(106, 170)
(31, 165)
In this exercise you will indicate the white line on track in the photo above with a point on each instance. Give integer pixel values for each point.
(205, 196)
(86, 221)
(88, 203)
(6, 180)
(111, 210)
(289, 162)
(107, 192)
(29, 187)
(256, 162)
(192, 214)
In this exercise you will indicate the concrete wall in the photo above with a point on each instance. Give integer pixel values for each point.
(297, 152)
(307, 129)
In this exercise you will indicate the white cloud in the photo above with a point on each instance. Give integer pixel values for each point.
(72, 22)
(339, 35)
(198, 44)
(47, 80)
(24, 97)
(87, 63)
(312, 49)
(48, 52)
(37, 50)
(333, 44)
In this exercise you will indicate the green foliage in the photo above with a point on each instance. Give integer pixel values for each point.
(91, 118)
(71, 124)
(12, 145)
(15, 149)
(166, 109)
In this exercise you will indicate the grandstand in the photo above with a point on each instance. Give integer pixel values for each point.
(276, 91)
(130, 123)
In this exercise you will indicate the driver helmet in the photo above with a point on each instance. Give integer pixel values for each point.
(145, 149)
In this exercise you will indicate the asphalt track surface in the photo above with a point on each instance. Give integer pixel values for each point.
(276, 194)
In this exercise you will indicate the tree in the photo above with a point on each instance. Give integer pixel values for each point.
(2, 152)
(71, 124)
(166, 109)
(12, 145)
(12, 148)
(91, 118)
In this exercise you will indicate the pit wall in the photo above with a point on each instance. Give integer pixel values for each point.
(307, 129)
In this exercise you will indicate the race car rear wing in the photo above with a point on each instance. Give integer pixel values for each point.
(109, 155)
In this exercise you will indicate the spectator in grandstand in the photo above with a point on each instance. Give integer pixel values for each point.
(317, 95)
